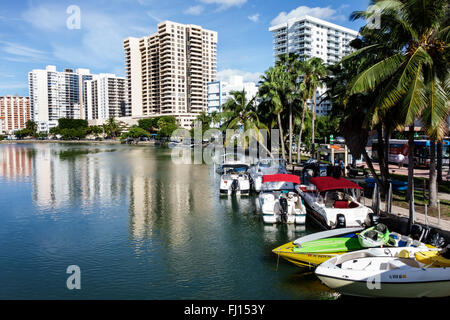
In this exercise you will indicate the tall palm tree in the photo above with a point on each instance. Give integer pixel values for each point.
(271, 91)
(239, 113)
(312, 71)
(415, 76)
(289, 65)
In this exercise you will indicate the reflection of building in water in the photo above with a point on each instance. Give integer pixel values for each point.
(15, 162)
(70, 176)
(50, 184)
(166, 195)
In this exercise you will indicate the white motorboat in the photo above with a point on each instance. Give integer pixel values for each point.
(235, 179)
(263, 167)
(331, 203)
(279, 201)
(229, 159)
(385, 272)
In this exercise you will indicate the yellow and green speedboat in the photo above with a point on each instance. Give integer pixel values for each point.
(312, 253)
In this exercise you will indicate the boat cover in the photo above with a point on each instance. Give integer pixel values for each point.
(331, 183)
(281, 177)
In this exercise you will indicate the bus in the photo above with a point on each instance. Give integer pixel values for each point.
(421, 151)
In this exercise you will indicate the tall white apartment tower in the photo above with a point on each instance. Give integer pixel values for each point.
(167, 72)
(55, 95)
(105, 97)
(312, 37)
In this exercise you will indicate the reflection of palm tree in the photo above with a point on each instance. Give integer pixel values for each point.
(241, 114)
(415, 77)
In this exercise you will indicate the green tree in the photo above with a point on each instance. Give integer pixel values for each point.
(239, 113)
(111, 127)
(271, 92)
(415, 76)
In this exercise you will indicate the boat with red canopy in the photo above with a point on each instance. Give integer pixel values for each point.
(279, 201)
(331, 203)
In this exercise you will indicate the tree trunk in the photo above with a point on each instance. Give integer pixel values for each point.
(371, 168)
(381, 158)
(300, 134)
(439, 161)
(313, 121)
(290, 133)
(410, 191)
(433, 175)
(386, 175)
(282, 137)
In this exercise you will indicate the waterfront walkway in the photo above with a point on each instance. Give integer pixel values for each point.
(443, 223)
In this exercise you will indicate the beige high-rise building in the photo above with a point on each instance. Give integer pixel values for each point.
(167, 73)
(14, 113)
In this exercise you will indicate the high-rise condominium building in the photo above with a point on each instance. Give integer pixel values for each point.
(312, 37)
(14, 113)
(167, 73)
(105, 97)
(220, 91)
(55, 95)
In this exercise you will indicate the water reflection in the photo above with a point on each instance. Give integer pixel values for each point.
(15, 162)
(158, 229)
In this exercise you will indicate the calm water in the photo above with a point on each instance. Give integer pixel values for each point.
(138, 226)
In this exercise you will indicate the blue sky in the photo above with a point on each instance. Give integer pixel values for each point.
(34, 33)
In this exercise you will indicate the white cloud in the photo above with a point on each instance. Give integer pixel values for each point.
(151, 15)
(20, 53)
(97, 45)
(226, 74)
(194, 10)
(317, 12)
(225, 4)
(46, 18)
(254, 18)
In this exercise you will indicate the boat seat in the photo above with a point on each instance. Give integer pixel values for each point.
(341, 204)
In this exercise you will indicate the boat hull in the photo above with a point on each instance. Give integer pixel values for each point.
(432, 289)
(303, 259)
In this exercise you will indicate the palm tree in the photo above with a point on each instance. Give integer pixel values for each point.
(239, 113)
(289, 65)
(312, 71)
(271, 91)
(111, 127)
(415, 76)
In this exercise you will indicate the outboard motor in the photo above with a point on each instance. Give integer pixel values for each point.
(435, 239)
(337, 172)
(234, 186)
(372, 220)
(284, 209)
(416, 231)
(340, 221)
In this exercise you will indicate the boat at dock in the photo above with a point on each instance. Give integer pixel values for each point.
(386, 273)
(263, 167)
(235, 179)
(331, 203)
(304, 252)
(279, 202)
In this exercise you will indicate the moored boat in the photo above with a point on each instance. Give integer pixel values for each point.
(384, 272)
(235, 179)
(331, 203)
(314, 252)
(279, 202)
(263, 167)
